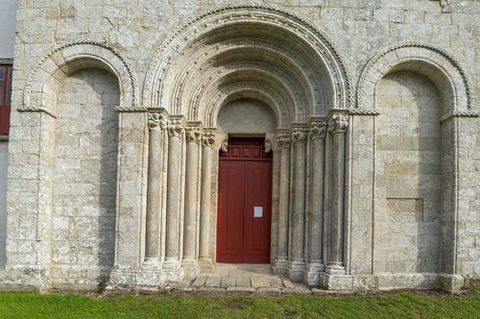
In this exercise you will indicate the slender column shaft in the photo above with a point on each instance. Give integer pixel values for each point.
(154, 185)
(298, 253)
(175, 133)
(283, 141)
(191, 194)
(317, 135)
(337, 126)
(207, 152)
(297, 266)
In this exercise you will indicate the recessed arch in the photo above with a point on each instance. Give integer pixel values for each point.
(257, 37)
(43, 82)
(434, 63)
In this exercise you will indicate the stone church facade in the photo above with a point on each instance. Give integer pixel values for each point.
(142, 134)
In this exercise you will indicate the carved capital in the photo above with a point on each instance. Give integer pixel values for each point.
(299, 135)
(224, 146)
(283, 140)
(208, 139)
(157, 121)
(338, 124)
(318, 130)
(175, 128)
(193, 134)
(268, 146)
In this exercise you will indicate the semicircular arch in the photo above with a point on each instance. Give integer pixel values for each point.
(440, 67)
(40, 90)
(316, 62)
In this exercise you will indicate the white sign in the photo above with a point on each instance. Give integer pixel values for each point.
(257, 212)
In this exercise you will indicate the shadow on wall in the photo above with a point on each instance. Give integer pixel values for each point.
(409, 183)
(85, 177)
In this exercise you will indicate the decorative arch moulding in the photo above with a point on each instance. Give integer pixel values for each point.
(161, 83)
(439, 60)
(57, 60)
(459, 114)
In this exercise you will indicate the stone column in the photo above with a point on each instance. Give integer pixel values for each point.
(337, 126)
(281, 264)
(193, 138)
(297, 264)
(156, 123)
(176, 131)
(317, 136)
(208, 142)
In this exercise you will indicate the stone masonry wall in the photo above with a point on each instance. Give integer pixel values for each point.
(359, 28)
(408, 176)
(85, 178)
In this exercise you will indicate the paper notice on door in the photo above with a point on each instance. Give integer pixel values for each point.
(257, 212)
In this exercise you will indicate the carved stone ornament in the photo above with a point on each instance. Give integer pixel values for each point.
(283, 140)
(175, 128)
(193, 134)
(161, 76)
(224, 146)
(338, 124)
(96, 50)
(157, 121)
(299, 135)
(208, 139)
(268, 146)
(318, 130)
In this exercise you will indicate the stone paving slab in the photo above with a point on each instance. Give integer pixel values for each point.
(228, 282)
(241, 289)
(242, 279)
(242, 282)
(199, 282)
(287, 283)
(213, 281)
(260, 282)
(276, 283)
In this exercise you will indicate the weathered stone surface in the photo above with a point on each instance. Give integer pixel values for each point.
(387, 196)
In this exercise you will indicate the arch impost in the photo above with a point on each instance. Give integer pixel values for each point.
(37, 109)
(363, 112)
(459, 114)
(140, 109)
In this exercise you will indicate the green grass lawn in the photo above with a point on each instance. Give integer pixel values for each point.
(391, 305)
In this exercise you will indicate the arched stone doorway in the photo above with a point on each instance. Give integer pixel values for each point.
(237, 54)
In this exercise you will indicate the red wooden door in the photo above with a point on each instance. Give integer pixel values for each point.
(244, 202)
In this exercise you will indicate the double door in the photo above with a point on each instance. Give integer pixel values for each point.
(244, 203)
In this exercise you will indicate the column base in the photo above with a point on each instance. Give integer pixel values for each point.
(206, 264)
(190, 268)
(451, 282)
(335, 268)
(280, 267)
(312, 273)
(296, 270)
(151, 264)
(172, 269)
